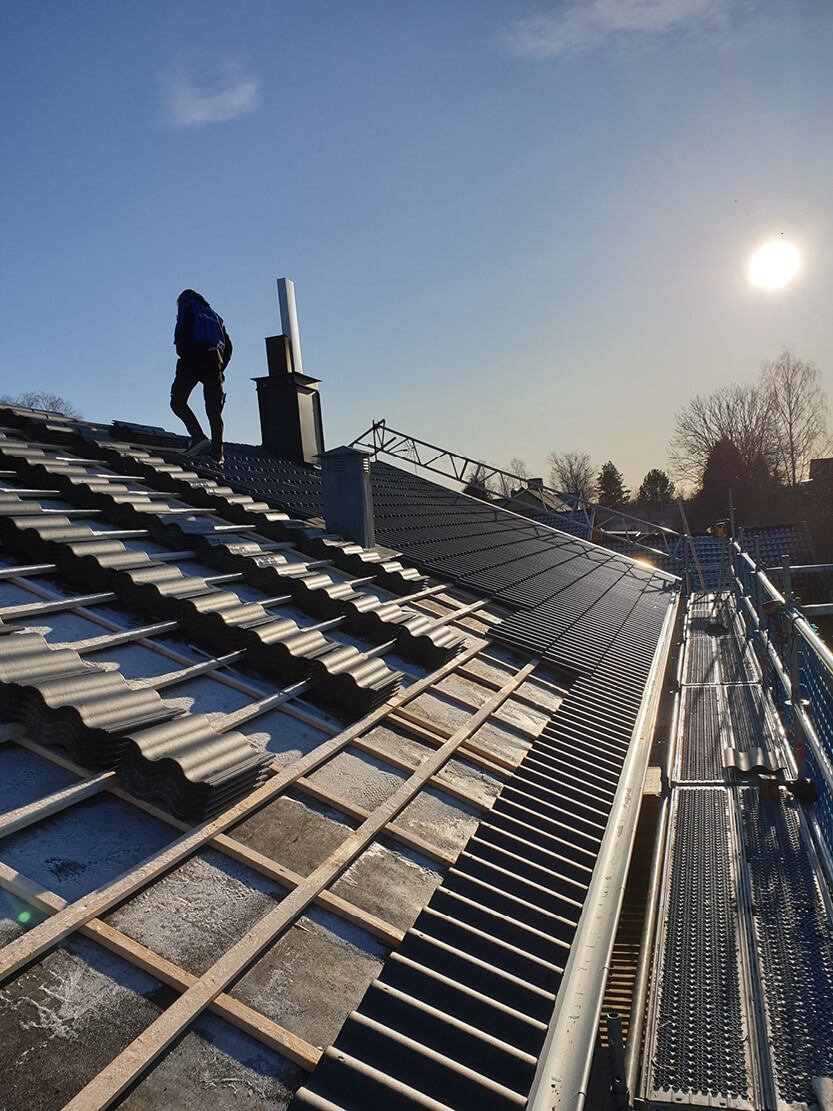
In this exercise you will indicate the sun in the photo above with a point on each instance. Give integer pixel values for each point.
(774, 265)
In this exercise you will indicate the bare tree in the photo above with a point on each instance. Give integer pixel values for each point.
(479, 483)
(518, 468)
(572, 473)
(798, 406)
(49, 402)
(741, 414)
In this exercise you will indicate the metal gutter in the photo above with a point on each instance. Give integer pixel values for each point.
(560, 1082)
(671, 753)
(636, 1023)
(646, 945)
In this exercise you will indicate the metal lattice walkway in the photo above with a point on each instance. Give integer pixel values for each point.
(741, 1014)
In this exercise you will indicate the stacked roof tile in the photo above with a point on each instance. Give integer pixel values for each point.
(176, 759)
(95, 715)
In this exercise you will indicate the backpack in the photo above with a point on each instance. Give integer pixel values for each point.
(208, 325)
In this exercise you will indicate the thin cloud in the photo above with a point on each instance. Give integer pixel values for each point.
(191, 99)
(583, 24)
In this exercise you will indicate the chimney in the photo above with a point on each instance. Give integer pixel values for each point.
(348, 502)
(289, 402)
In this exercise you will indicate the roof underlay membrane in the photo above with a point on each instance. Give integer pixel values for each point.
(285, 820)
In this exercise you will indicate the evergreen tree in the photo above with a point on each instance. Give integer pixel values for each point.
(751, 484)
(610, 489)
(656, 489)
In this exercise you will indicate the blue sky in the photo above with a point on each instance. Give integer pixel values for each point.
(513, 227)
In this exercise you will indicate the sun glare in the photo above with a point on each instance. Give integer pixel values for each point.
(773, 265)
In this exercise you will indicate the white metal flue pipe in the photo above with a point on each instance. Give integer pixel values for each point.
(289, 321)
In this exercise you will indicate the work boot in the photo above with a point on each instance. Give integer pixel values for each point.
(198, 445)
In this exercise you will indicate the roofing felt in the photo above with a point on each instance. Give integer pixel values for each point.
(448, 737)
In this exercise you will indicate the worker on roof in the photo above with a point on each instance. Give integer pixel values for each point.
(204, 350)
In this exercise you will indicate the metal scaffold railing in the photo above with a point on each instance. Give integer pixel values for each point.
(741, 974)
(797, 668)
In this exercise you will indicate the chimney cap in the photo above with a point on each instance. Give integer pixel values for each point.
(345, 449)
(291, 375)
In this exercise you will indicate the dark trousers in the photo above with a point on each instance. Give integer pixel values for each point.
(209, 371)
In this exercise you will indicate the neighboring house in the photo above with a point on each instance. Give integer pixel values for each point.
(821, 470)
(531, 499)
(666, 515)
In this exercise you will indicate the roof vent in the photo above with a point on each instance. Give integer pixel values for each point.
(348, 502)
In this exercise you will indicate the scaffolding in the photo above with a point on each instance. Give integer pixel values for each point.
(602, 524)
